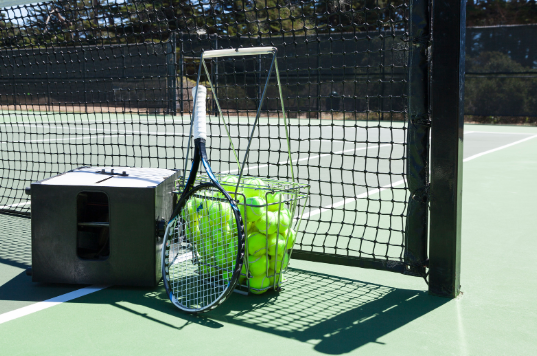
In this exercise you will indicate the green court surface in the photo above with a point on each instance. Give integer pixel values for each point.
(323, 309)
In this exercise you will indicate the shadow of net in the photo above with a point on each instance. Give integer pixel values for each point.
(333, 314)
(15, 241)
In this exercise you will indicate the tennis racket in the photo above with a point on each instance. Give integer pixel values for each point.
(203, 245)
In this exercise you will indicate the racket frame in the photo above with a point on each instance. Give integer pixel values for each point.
(200, 156)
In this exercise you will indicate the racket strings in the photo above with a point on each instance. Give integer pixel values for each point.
(203, 249)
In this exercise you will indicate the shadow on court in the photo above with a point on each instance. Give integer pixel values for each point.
(15, 241)
(335, 315)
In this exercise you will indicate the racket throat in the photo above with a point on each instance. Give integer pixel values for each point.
(200, 146)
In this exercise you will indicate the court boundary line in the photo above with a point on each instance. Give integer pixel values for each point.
(498, 133)
(378, 190)
(258, 167)
(264, 122)
(59, 139)
(498, 148)
(33, 308)
(15, 205)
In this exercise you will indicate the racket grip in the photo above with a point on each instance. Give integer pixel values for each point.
(199, 125)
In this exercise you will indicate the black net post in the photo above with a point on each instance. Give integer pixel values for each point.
(418, 139)
(447, 94)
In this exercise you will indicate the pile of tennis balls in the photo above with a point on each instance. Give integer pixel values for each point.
(268, 232)
(209, 226)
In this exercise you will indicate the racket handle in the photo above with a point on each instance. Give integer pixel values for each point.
(200, 126)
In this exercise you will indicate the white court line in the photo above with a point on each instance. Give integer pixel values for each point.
(498, 148)
(311, 157)
(60, 139)
(210, 121)
(375, 191)
(84, 291)
(499, 133)
(30, 309)
(76, 129)
(328, 140)
(15, 205)
(353, 199)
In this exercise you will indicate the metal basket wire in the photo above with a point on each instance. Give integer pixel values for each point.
(290, 194)
(290, 199)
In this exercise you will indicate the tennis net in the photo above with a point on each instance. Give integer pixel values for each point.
(109, 84)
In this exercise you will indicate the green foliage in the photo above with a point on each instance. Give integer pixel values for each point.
(496, 94)
(492, 62)
(90, 22)
(500, 12)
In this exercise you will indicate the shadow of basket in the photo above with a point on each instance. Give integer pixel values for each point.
(335, 315)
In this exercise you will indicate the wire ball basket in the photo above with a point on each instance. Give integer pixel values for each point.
(269, 207)
(271, 210)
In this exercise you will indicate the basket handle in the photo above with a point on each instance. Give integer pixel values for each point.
(273, 65)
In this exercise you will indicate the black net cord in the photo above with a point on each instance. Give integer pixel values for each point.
(418, 140)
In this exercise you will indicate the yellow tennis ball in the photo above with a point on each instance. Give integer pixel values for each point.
(205, 226)
(250, 228)
(276, 244)
(229, 183)
(279, 263)
(207, 268)
(257, 265)
(267, 226)
(275, 201)
(222, 236)
(203, 247)
(259, 284)
(256, 208)
(191, 213)
(203, 201)
(220, 214)
(227, 275)
(257, 244)
(192, 231)
(225, 256)
(285, 218)
(291, 239)
(253, 187)
(273, 275)
(201, 207)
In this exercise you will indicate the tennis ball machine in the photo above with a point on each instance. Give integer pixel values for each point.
(101, 225)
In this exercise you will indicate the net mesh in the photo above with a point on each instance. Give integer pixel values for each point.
(109, 84)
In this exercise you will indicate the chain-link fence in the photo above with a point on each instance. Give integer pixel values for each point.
(501, 73)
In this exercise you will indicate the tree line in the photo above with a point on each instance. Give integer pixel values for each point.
(500, 12)
(103, 22)
(106, 22)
